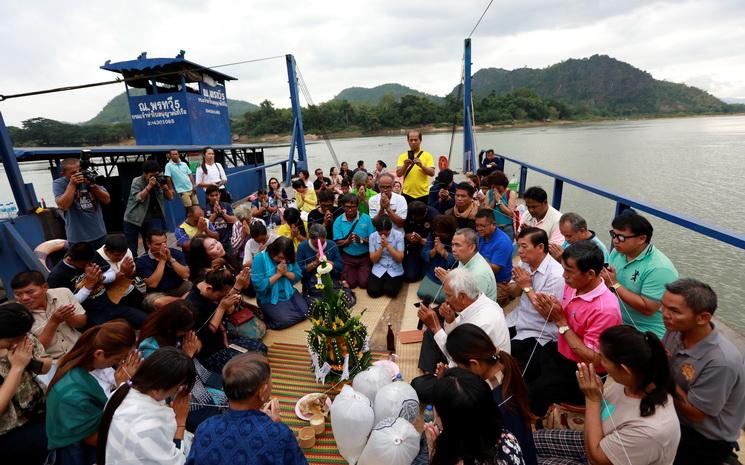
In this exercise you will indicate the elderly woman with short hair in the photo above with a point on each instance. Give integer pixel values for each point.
(242, 229)
(219, 440)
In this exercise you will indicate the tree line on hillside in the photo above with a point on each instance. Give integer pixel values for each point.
(408, 111)
(341, 116)
(45, 132)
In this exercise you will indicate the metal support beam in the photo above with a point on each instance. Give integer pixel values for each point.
(469, 145)
(298, 134)
(620, 207)
(558, 190)
(523, 180)
(23, 199)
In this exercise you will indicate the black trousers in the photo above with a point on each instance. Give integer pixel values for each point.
(413, 264)
(424, 386)
(430, 354)
(25, 445)
(550, 376)
(385, 285)
(696, 449)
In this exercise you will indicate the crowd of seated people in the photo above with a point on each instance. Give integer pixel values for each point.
(124, 341)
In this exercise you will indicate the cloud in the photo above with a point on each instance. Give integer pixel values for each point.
(338, 44)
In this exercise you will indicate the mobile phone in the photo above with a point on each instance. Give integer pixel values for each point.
(237, 348)
(411, 154)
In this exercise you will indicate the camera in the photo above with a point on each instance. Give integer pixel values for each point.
(86, 167)
(161, 179)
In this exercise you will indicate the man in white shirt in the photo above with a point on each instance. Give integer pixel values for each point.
(464, 303)
(537, 272)
(542, 215)
(388, 203)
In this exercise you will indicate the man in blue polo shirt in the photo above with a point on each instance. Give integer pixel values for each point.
(351, 234)
(709, 374)
(181, 179)
(638, 272)
(496, 247)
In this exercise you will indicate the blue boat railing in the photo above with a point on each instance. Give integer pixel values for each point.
(622, 203)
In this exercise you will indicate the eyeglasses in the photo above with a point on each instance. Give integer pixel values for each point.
(621, 237)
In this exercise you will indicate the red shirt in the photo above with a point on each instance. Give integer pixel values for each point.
(588, 315)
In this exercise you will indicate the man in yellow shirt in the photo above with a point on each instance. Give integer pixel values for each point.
(416, 167)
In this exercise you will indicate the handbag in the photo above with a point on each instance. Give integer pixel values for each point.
(564, 416)
(246, 313)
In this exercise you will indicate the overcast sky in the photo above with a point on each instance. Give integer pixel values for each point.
(339, 44)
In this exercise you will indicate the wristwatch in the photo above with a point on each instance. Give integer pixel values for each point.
(615, 285)
(563, 329)
(527, 289)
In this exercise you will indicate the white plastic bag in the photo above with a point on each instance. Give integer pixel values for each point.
(393, 441)
(369, 381)
(397, 399)
(352, 419)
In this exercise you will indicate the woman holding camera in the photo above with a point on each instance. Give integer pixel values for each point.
(23, 438)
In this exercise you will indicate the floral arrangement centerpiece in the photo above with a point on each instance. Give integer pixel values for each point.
(337, 341)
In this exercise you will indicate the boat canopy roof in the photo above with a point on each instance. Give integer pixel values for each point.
(144, 66)
(55, 153)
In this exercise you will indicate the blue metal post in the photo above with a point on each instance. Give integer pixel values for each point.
(523, 180)
(558, 189)
(620, 207)
(23, 200)
(298, 134)
(469, 157)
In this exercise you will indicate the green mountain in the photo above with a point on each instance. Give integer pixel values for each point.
(117, 110)
(373, 95)
(599, 85)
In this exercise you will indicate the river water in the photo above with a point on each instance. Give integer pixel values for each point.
(693, 166)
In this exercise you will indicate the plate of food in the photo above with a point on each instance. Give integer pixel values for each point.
(312, 404)
(391, 366)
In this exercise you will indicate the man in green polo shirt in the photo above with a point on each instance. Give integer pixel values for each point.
(638, 272)
(466, 250)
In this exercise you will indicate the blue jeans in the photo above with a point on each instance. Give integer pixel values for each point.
(78, 453)
(133, 232)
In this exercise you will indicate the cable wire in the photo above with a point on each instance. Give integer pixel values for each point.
(134, 78)
(480, 18)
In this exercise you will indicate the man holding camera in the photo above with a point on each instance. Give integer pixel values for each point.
(415, 167)
(80, 198)
(145, 209)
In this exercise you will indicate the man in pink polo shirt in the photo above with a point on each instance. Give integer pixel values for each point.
(586, 310)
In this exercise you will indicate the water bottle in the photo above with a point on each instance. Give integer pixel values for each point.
(429, 414)
(12, 210)
(4, 213)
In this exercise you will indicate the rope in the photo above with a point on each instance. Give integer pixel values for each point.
(306, 93)
(137, 78)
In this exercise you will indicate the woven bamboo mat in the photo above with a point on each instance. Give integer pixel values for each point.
(292, 378)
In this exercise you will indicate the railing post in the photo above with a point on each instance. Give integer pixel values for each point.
(523, 180)
(620, 207)
(558, 190)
